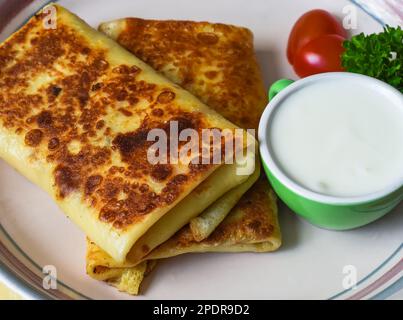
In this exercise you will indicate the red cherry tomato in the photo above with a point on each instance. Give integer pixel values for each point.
(319, 55)
(309, 26)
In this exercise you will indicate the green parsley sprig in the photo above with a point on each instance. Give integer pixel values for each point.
(377, 55)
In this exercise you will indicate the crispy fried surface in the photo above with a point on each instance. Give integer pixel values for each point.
(216, 62)
(182, 51)
(253, 224)
(88, 116)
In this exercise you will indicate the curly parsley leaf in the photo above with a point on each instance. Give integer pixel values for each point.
(377, 55)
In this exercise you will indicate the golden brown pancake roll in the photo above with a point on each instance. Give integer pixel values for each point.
(216, 62)
(252, 225)
(76, 111)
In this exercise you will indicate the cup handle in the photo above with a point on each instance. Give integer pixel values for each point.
(277, 86)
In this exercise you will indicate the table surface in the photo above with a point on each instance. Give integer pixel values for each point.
(7, 294)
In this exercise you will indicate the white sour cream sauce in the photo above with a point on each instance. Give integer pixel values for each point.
(339, 138)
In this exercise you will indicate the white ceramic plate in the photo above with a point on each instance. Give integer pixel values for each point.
(312, 263)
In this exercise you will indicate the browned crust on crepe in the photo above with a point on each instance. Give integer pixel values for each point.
(71, 110)
(214, 61)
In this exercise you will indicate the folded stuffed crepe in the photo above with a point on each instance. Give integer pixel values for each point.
(76, 110)
(234, 89)
(216, 62)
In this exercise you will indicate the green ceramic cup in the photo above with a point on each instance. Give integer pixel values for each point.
(330, 212)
